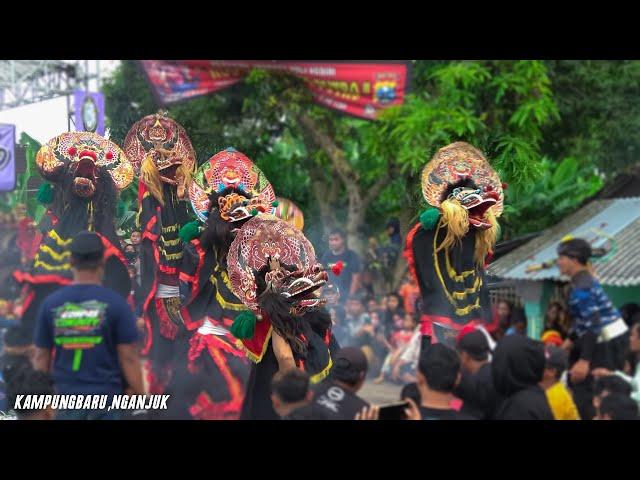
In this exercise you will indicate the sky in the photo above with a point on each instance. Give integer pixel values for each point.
(45, 120)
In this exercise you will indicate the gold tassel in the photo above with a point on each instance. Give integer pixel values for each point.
(150, 176)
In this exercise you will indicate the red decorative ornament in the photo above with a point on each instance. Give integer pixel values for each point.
(337, 268)
(109, 155)
(72, 151)
(505, 186)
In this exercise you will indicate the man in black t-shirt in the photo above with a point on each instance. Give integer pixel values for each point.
(348, 279)
(336, 398)
(438, 374)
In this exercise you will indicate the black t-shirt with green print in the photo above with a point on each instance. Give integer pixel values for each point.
(85, 323)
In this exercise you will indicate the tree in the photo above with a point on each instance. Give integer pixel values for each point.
(599, 105)
(500, 107)
(525, 115)
(560, 189)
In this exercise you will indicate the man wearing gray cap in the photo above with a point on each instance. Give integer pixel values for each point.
(93, 332)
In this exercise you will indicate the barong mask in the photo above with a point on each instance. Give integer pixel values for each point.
(83, 155)
(460, 175)
(161, 152)
(232, 185)
(272, 265)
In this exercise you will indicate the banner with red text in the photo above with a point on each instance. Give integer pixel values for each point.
(361, 89)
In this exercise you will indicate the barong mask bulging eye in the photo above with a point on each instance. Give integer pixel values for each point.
(268, 246)
(251, 192)
(81, 155)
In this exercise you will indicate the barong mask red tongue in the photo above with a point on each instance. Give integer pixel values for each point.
(84, 171)
(268, 246)
(476, 201)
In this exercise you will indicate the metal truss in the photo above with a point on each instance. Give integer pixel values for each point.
(23, 82)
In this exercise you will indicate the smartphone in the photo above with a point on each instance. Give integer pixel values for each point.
(393, 411)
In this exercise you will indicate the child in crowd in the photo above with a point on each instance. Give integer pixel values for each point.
(394, 368)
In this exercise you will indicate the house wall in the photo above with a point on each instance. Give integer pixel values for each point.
(621, 295)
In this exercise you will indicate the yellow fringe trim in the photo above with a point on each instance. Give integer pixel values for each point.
(170, 228)
(60, 242)
(172, 256)
(453, 275)
(238, 307)
(473, 289)
(171, 243)
(459, 311)
(46, 266)
(318, 377)
(468, 308)
(224, 275)
(59, 257)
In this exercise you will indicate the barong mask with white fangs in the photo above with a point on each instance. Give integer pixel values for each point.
(269, 256)
(476, 201)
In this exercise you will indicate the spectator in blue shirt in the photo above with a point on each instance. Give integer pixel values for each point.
(598, 336)
(93, 332)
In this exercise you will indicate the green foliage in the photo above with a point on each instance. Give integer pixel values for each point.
(599, 105)
(127, 208)
(500, 107)
(524, 115)
(560, 189)
(20, 194)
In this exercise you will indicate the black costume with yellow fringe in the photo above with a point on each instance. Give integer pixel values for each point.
(164, 159)
(273, 270)
(210, 378)
(448, 250)
(160, 258)
(86, 171)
